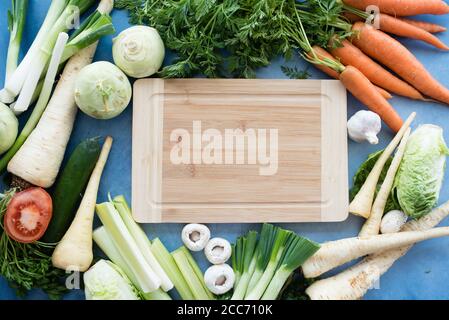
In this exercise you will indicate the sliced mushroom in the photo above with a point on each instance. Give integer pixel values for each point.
(219, 279)
(218, 250)
(195, 236)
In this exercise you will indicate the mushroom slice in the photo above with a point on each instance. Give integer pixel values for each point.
(218, 250)
(219, 278)
(195, 236)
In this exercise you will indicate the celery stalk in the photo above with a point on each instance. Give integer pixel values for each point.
(169, 265)
(104, 241)
(197, 271)
(142, 241)
(127, 247)
(189, 274)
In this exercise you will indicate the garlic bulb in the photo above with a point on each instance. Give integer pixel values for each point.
(393, 221)
(364, 126)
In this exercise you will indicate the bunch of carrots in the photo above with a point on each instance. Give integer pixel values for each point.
(359, 58)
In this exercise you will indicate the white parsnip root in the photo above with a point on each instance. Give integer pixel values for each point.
(372, 225)
(362, 202)
(39, 159)
(353, 283)
(74, 251)
(337, 253)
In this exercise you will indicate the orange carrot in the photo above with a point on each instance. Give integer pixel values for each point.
(363, 90)
(403, 7)
(427, 26)
(403, 29)
(388, 51)
(351, 55)
(321, 53)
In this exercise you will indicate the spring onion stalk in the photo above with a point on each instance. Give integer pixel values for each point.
(72, 11)
(263, 251)
(188, 271)
(298, 251)
(169, 265)
(197, 271)
(142, 241)
(282, 239)
(127, 247)
(101, 25)
(244, 263)
(91, 30)
(41, 103)
(16, 24)
(104, 241)
(16, 80)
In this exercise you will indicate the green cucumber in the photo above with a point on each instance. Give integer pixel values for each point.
(70, 185)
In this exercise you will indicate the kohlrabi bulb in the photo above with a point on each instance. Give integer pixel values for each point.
(9, 127)
(139, 51)
(102, 90)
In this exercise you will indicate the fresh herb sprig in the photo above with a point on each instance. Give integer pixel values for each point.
(28, 266)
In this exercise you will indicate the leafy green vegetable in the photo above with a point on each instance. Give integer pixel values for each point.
(106, 281)
(28, 266)
(295, 73)
(420, 176)
(295, 288)
(220, 38)
(363, 172)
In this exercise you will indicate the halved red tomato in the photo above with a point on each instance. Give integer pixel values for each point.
(28, 215)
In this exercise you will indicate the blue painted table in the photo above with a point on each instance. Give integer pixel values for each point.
(421, 274)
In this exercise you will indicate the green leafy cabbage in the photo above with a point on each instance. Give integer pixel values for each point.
(106, 281)
(420, 175)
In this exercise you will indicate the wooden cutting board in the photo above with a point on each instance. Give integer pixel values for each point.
(232, 151)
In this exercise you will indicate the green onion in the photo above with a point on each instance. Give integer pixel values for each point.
(298, 251)
(169, 265)
(16, 80)
(244, 263)
(97, 26)
(41, 103)
(127, 247)
(73, 9)
(189, 270)
(266, 241)
(277, 251)
(16, 24)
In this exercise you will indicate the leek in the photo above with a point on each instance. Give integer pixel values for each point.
(127, 247)
(142, 241)
(169, 265)
(298, 251)
(244, 263)
(188, 270)
(282, 239)
(263, 251)
(41, 103)
(73, 9)
(16, 80)
(104, 241)
(16, 24)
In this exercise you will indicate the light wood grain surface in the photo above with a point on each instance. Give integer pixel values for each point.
(310, 183)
